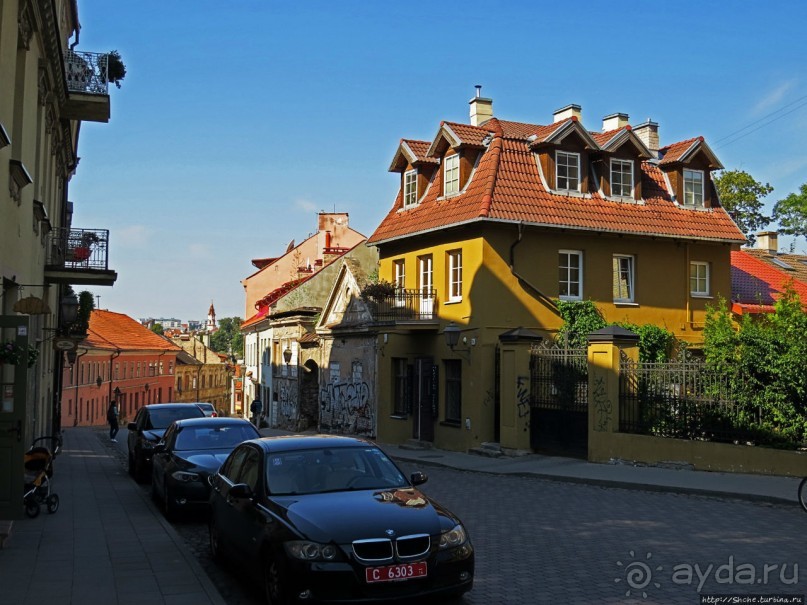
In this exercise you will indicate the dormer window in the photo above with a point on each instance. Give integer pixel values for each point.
(410, 191)
(693, 188)
(567, 171)
(621, 178)
(451, 174)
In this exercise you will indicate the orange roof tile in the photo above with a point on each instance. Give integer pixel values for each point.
(506, 186)
(673, 152)
(115, 331)
(419, 148)
(756, 282)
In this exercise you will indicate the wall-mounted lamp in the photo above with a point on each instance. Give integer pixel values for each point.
(69, 308)
(146, 386)
(452, 336)
(99, 381)
(71, 356)
(287, 355)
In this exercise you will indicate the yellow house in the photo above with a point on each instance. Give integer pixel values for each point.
(48, 87)
(496, 220)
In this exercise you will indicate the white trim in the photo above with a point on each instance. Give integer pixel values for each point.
(445, 180)
(684, 188)
(537, 158)
(578, 189)
(632, 194)
(698, 278)
(406, 174)
(452, 256)
(579, 282)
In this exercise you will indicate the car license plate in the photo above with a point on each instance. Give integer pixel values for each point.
(396, 573)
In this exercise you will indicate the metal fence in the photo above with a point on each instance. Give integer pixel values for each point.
(679, 399)
(406, 305)
(86, 72)
(78, 248)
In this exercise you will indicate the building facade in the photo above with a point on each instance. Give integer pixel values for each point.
(201, 374)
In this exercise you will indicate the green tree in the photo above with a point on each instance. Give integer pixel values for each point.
(157, 328)
(791, 213)
(580, 318)
(741, 195)
(228, 337)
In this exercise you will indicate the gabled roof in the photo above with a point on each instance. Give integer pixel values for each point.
(119, 332)
(563, 129)
(456, 135)
(412, 152)
(683, 151)
(507, 186)
(612, 140)
(756, 283)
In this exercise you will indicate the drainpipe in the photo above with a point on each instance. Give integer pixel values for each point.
(111, 358)
(548, 302)
(75, 378)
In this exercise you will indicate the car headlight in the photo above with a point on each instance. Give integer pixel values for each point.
(453, 538)
(184, 476)
(311, 551)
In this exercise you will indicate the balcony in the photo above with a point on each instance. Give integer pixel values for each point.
(87, 86)
(412, 307)
(79, 256)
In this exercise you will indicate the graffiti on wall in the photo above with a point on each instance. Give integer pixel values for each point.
(602, 405)
(523, 400)
(346, 408)
(288, 406)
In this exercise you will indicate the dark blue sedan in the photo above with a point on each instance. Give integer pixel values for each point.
(190, 451)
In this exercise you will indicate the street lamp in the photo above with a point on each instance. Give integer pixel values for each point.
(69, 307)
(287, 355)
(452, 334)
(99, 381)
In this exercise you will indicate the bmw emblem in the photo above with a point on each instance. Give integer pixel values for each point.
(390, 532)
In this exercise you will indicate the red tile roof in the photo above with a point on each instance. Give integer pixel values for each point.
(469, 135)
(419, 148)
(756, 284)
(506, 186)
(673, 152)
(115, 331)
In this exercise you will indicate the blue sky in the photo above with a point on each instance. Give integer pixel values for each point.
(238, 121)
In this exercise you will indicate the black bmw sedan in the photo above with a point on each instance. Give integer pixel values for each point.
(326, 518)
(190, 451)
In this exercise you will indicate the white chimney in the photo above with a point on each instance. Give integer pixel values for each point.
(648, 134)
(481, 108)
(768, 240)
(614, 121)
(570, 111)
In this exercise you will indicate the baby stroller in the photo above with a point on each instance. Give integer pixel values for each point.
(38, 471)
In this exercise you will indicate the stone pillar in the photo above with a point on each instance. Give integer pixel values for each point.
(604, 350)
(514, 388)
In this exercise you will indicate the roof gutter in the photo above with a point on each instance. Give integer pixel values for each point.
(547, 301)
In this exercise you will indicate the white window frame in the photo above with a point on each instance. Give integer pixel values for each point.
(699, 278)
(564, 274)
(617, 162)
(410, 188)
(454, 275)
(695, 198)
(399, 273)
(451, 174)
(425, 274)
(566, 155)
(624, 270)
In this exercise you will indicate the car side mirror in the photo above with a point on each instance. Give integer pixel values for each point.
(418, 478)
(159, 448)
(131, 426)
(241, 491)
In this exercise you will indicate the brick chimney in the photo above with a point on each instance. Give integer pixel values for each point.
(614, 121)
(768, 240)
(481, 108)
(570, 111)
(648, 134)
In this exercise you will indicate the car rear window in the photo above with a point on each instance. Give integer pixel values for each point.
(160, 419)
(214, 437)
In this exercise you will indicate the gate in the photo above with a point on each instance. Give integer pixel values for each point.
(559, 400)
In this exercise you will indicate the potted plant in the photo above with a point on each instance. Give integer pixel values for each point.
(115, 69)
(13, 354)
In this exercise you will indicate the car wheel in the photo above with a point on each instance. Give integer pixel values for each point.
(139, 469)
(154, 494)
(215, 542)
(169, 506)
(274, 587)
(131, 465)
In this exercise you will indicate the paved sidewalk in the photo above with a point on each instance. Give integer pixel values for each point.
(106, 544)
(765, 488)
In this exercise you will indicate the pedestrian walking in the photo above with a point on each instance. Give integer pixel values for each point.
(112, 419)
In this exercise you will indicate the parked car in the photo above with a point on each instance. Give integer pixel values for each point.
(333, 518)
(190, 451)
(148, 428)
(208, 409)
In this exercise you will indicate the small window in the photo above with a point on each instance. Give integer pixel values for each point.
(453, 369)
(451, 175)
(623, 278)
(455, 275)
(426, 273)
(621, 178)
(699, 278)
(410, 193)
(567, 171)
(399, 273)
(693, 188)
(570, 278)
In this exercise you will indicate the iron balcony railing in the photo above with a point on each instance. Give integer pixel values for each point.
(87, 72)
(406, 305)
(78, 248)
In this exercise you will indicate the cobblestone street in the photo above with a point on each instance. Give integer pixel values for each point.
(541, 541)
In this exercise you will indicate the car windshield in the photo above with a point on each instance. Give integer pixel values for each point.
(161, 419)
(206, 406)
(330, 469)
(214, 437)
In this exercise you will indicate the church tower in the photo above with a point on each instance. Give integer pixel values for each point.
(211, 326)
